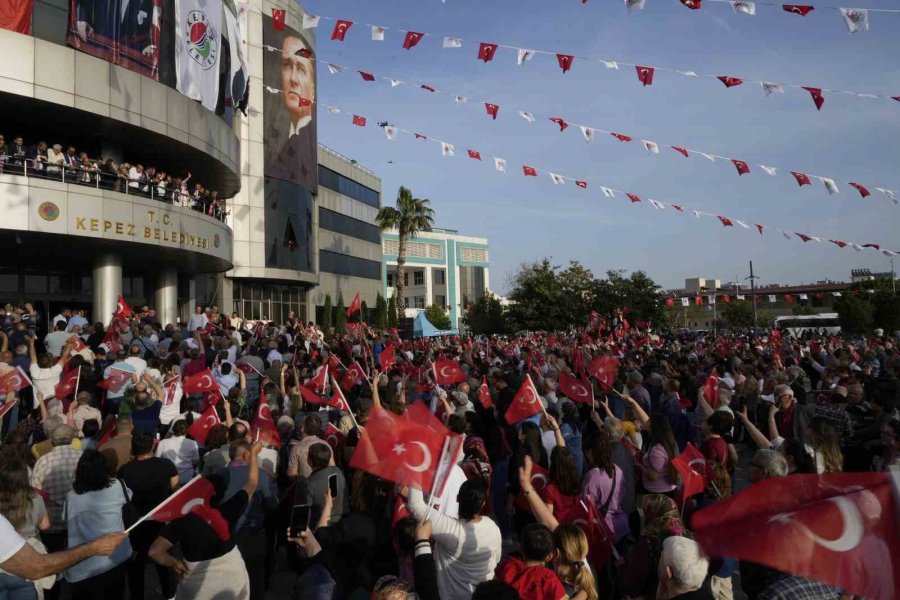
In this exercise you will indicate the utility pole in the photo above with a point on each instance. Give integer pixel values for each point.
(753, 279)
(893, 278)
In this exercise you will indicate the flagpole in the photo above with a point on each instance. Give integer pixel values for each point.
(434, 482)
(164, 502)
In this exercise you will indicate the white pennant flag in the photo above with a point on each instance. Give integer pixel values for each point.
(772, 298)
(768, 170)
(391, 132)
(634, 5)
(740, 296)
(524, 55)
(857, 19)
(709, 156)
(748, 8)
(610, 64)
(697, 213)
(452, 42)
(786, 235)
(527, 116)
(742, 224)
(588, 133)
(395, 82)
(272, 90)
(804, 297)
(685, 302)
(687, 73)
(856, 247)
(310, 21)
(651, 147)
(377, 33)
(557, 179)
(829, 184)
(771, 88)
(334, 110)
(656, 204)
(711, 299)
(888, 193)
(460, 99)
(446, 149)
(836, 294)
(334, 69)
(500, 164)
(608, 192)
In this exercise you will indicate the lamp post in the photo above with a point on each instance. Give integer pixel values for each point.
(753, 279)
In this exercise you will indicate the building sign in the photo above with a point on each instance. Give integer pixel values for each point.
(149, 231)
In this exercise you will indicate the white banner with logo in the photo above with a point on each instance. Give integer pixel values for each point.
(198, 46)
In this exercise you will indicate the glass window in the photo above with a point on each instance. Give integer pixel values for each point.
(344, 264)
(9, 281)
(406, 278)
(420, 301)
(390, 280)
(338, 223)
(35, 284)
(418, 277)
(347, 187)
(439, 277)
(441, 301)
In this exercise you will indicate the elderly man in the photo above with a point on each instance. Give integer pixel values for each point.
(637, 390)
(792, 417)
(682, 571)
(54, 473)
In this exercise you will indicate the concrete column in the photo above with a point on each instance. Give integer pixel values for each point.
(429, 286)
(107, 285)
(166, 295)
(191, 301)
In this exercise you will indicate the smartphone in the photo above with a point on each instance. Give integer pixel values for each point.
(332, 484)
(299, 519)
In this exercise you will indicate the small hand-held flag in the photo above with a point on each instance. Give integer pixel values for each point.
(354, 306)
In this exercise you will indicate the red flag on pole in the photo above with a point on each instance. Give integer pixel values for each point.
(575, 390)
(191, 499)
(278, 19)
(526, 403)
(353, 376)
(264, 428)
(334, 437)
(711, 389)
(67, 384)
(448, 372)
(838, 528)
(117, 379)
(199, 429)
(340, 29)
(604, 369)
(354, 306)
(601, 541)
(317, 383)
(200, 382)
(387, 359)
(412, 38)
(540, 477)
(338, 400)
(691, 465)
(123, 311)
(15, 378)
(484, 394)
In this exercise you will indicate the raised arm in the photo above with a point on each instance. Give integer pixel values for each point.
(642, 415)
(554, 427)
(229, 420)
(755, 434)
(773, 426)
(31, 565)
(539, 508)
(32, 354)
(702, 404)
(253, 471)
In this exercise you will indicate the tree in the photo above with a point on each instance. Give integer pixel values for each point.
(327, 314)
(638, 292)
(854, 314)
(537, 298)
(577, 288)
(886, 310)
(392, 312)
(340, 316)
(738, 313)
(408, 217)
(486, 316)
(379, 319)
(363, 311)
(437, 316)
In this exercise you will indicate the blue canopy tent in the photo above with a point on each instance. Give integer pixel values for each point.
(422, 327)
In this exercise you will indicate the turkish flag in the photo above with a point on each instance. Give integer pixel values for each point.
(338, 400)
(366, 76)
(817, 97)
(621, 137)
(529, 171)
(475, 154)
(192, 499)
(412, 38)
(604, 369)
(838, 528)
(359, 121)
(801, 178)
(264, 428)
(644, 74)
(427, 87)
(492, 109)
(726, 222)
(333, 361)
(15, 378)
(123, 311)
(340, 29)
(173, 391)
(741, 166)
(334, 438)
(863, 191)
(353, 376)
(803, 237)
(726, 298)
(730, 81)
(526, 403)
(77, 345)
(692, 4)
(484, 394)
(575, 390)
(317, 383)
(200, 382)
(199, 429)
(633, 197)
(117, 380)
(400, 511)
(680, 150)
(486, 52)
(711, 389)
(789, 298)
(387, 359)
(799, 9)
(601, 540)
(691, 466)
(15, 15)
(448, 372)
(670, 302)
(310, 396)
(540, 477)
(403, 450)
(357, 303)
(109, 434)
(67, 384)
(561, 122)
(581, 184)
(278, 19)
(677, 207)
(565, 61)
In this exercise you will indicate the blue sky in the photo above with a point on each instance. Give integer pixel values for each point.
(525, 218)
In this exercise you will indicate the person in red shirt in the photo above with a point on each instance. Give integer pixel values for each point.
(714, 446)
(564, 489)
(529, 575)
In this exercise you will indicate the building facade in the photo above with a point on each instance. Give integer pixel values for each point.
(442, 267)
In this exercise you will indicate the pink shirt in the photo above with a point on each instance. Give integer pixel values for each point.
(658, 460)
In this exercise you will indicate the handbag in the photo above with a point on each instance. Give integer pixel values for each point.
(130, 514)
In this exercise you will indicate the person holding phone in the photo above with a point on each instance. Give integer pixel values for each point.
(325, 478)
(211, 567)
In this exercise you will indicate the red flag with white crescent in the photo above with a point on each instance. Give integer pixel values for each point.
(448, 372)
(575, 390)
(484, 394)
(604, 369)
(199, 429)
(192, 499)
(15, 378)
(353, 376)
(711, 389)
(526, 403)
(200, 382)
(691, 465)
(317, 383)
(334, 438)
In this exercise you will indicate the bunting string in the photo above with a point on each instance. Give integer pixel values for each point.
(652, 147)
(645, 73)
(448, 149)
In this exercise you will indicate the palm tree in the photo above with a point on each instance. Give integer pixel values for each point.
(409, 217)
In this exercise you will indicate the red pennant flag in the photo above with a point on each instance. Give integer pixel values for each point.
(67, 384)
(484, 394)
(475, 154)
(876, 246)
(797, 9)
(759, 228)
(726, 222)
(670, 302)
(726, 298)
(17, 379)
(691, 465)
(340, 29)
(644, 74)
(698, 300)
(789, 298)
(387, 358)
(334, 438)
(192, 499)
(711, 389)
(730, 81)
(526, 403)
(817, 97)
(353, 376)
(577, 391)
(692, 4)
(680, 150)
(741, 166)
(199, 429)
(354, 306)
(604, 369)
(581, 184)
(561, 122)
(801, 178)
(123, 311)
(359, 121)
(486, 52)
(278, 19)
(838, 243)
(492, 109)
(839, 528)
(529, 171)
(565, 61)
(863, 190)
(200, 382)
(803, 237)
(420, 136)
(601, 541)
(117, 380)
(677, 207)
(412, 38)
(427, 87)
(621, 137)
(633, 197)
(448, 372)
(366, 76)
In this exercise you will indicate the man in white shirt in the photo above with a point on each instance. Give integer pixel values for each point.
(44, 373)
(134, 359)
(55, 340)
(198, 320)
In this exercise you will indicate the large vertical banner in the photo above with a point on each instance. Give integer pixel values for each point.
(16, 15)
(198, 48)
(126, 32)
(239, 75)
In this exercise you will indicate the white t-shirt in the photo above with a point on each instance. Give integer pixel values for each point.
(139, 364)
(447, 502)
(55, 341)
(45, 380)
(10, 541)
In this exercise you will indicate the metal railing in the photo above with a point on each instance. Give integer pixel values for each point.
(116, 182)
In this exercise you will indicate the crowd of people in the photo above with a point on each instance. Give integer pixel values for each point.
(79, 462)
(71, 166)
